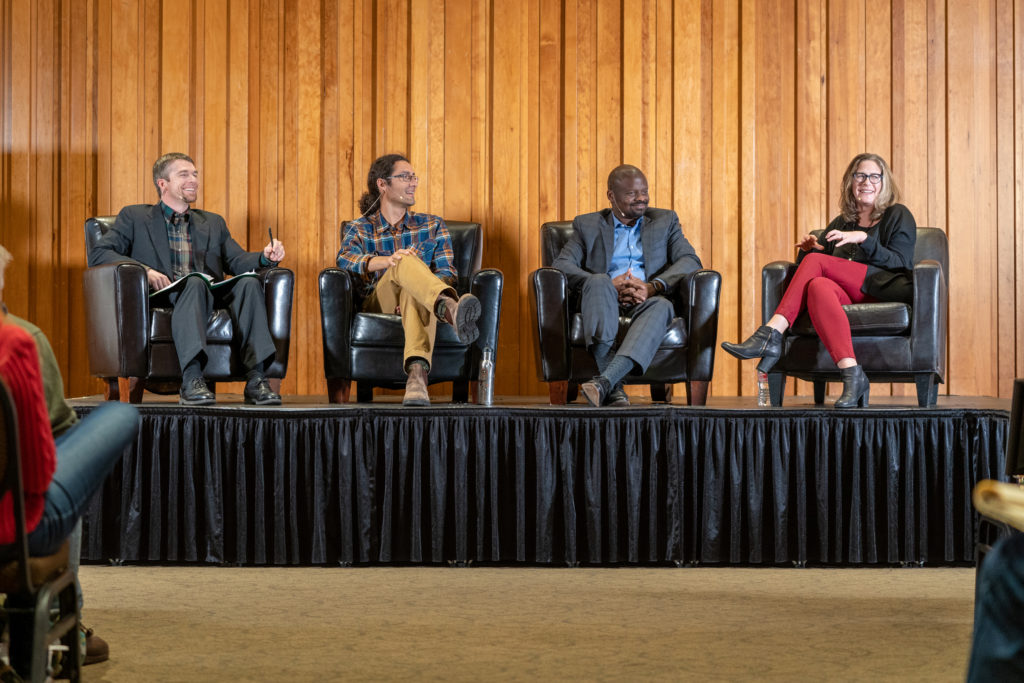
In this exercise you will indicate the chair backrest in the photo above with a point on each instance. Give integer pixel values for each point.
(95, 228)
(553, 236)
(11, 484)
(467, 249)
(932, 245)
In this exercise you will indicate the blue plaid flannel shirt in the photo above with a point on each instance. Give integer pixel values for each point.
(371, 236)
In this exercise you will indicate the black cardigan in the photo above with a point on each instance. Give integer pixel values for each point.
(888, 251)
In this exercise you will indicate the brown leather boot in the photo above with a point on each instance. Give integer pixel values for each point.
(416, 386)
(463, 316)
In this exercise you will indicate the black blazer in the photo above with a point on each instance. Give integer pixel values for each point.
(140, 234)
(888, 251)
(668, 255)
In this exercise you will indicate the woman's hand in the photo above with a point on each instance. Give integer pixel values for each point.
(840, 237)
(809, 242)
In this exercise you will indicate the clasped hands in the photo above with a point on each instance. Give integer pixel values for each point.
(632, 290)
(810, 243)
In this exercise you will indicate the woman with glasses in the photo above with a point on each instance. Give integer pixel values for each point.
(867, 255)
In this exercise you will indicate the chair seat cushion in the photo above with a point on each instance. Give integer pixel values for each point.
(218, 331)
(675, 337)
(874, 319)
(41, 569)
(385, 329)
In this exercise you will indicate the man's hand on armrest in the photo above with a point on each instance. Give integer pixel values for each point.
(157, 280)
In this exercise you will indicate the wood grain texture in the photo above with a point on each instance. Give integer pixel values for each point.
(743, 113)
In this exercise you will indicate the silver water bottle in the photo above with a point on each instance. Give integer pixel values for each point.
(485, 390)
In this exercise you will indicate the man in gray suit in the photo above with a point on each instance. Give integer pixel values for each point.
(623, 260)
(174, 241)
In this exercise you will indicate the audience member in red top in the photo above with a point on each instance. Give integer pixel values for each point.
(19, 368)
(57, 489)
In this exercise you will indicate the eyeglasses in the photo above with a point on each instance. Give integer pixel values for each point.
(405, 177)
(875, 178)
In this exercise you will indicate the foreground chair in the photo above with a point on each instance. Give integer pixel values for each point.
(369, 347)
(32, 583)
(893, 342)
(130, 344)
(686, 353)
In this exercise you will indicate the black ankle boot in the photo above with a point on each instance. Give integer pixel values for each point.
(855, 388)
(765, 343)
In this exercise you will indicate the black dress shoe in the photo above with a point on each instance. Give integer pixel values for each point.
(765, 343)
(856, 388)
(617, 397)
(595, 391)
(194, 392)
(258, 392)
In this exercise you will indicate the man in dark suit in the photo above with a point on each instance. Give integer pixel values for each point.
(172, 240)
(623, 260)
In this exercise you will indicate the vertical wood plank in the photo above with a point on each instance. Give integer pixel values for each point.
(724, 186)
(971, 109)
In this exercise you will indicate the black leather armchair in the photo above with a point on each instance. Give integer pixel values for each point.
(893, 342)
(686, 354)
(130, 344)
(33, 585)
(369, 347)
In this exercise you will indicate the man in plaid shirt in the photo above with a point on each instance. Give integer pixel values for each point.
(405, 260)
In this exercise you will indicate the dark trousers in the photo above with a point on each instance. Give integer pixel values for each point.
(193, 306)
(599, 305)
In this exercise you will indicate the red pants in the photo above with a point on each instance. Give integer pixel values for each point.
(823, 285)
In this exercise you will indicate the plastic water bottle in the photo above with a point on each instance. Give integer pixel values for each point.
(485, 394)
(763, 395)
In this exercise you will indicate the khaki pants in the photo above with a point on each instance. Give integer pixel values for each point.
(413, 288)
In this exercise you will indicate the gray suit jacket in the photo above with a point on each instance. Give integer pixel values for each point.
(140, 234)
(668, 255)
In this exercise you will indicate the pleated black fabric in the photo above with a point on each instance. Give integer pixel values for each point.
(381, 484)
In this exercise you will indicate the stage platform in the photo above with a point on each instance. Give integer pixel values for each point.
(309, 483)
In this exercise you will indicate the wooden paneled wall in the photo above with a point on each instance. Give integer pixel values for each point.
(743, 114)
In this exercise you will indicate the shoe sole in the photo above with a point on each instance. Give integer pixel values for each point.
(265, 402)
(861, 402)
(196, 401)
(592, 393)
(466, 317)
(729, 348)
(416, 402)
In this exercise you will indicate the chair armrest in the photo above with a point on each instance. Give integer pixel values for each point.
(775, 277)
(117, 319)
(928, 322)
(487, 286)
(278, 288)
(549, 300)
(697, 300)
(336, 311)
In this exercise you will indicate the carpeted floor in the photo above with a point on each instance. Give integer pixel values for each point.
(415, 623)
